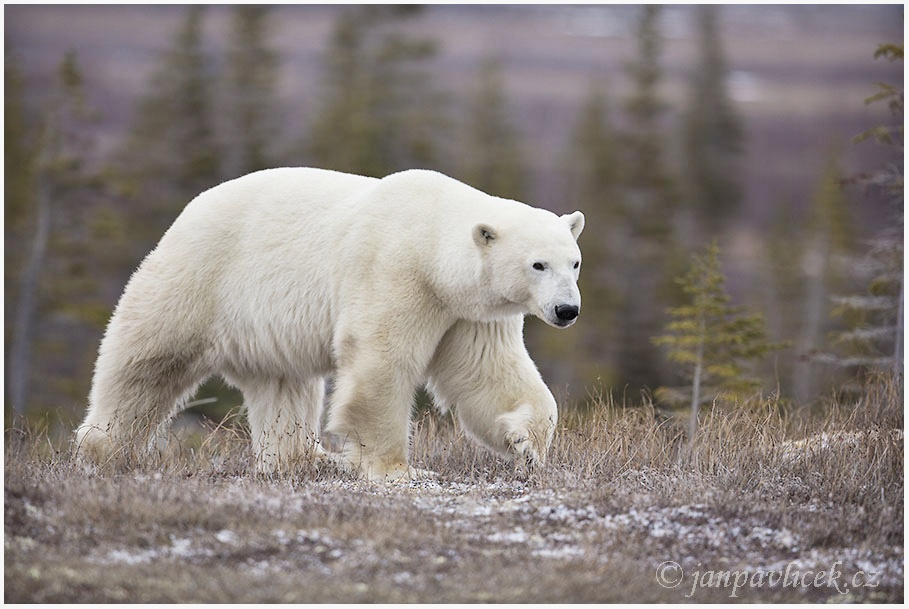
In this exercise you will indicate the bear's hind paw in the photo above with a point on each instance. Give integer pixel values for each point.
(395, 473)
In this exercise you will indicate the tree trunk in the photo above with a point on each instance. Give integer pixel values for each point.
(696, 383)
(19, 369)
(814, 313)
(898, 343)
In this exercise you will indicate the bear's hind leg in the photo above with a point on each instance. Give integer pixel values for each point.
(130, 401)
(284, 419)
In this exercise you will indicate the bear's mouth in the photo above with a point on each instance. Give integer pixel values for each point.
(563, 323)
(555, 322)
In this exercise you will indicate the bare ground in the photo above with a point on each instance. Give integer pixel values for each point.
(761, 508)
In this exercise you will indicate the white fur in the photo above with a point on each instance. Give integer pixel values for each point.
(279, 278)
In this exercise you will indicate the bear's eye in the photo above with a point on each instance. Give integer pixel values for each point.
(538, 266)
(577, 264)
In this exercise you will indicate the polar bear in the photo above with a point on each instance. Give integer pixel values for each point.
(280, 278)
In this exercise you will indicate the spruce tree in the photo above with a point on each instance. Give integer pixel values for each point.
(251, 76)
(827, 251)
(21, 235)
(873, 338)
(592, 184)
(492, 158)
(592, 169)
(892, 134)
(18, 185)
(345, 134)
(56, 273)
(380, 111)
(171, 152)
(647, 177)
(646, 244)
(711, 340)
(18, 149)
(712, 134)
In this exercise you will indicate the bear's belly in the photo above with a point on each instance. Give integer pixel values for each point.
(264, 350)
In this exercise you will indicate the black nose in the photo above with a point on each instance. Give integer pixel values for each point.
(566, 312)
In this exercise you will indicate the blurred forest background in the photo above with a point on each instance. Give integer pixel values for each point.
(672, 128)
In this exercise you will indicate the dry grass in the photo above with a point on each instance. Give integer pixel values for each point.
(757, 493)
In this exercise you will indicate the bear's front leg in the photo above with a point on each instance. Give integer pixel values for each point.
(370, 415)
(483, 371)
(379, 369)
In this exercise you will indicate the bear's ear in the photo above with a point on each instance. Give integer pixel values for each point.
(483, 234)
(575, 222)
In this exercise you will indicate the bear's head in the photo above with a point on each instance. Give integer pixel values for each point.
(535, 264)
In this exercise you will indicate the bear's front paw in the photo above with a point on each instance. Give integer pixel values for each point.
(525, 455)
